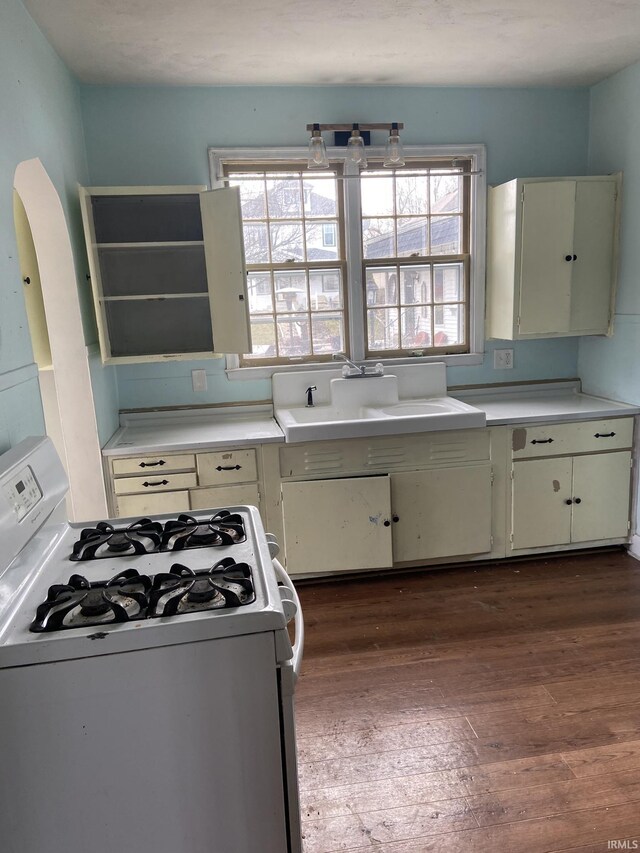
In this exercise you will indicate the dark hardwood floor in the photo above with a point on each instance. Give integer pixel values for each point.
(473, 709)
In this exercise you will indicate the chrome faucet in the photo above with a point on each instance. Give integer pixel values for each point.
(361, 371)
(340, 356)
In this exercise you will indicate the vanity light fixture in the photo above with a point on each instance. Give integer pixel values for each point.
(355, 145)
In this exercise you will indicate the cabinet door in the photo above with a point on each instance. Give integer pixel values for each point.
(226, 272)
(441, 513)
(540, 513)
(601, 484)
(593, 245)
(546, 239)
(337, 525)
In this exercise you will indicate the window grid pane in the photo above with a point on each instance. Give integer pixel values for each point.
(428, 223)
(291, 216)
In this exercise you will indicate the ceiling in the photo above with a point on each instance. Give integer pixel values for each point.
(342, 42)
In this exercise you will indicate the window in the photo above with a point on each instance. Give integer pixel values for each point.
(384, 264)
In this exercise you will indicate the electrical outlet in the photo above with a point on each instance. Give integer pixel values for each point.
(199, 380)
(503, 359)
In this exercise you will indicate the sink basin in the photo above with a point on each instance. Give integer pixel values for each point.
(417, 408)
(317, 423)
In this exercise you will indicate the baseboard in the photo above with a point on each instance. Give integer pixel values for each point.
(634, 547)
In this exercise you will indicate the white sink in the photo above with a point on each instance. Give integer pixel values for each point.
(412, 399)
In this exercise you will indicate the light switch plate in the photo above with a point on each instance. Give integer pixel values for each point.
(503, 359)
(199, 380)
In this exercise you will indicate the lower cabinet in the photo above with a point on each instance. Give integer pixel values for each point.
(378, 521)
(566, 500)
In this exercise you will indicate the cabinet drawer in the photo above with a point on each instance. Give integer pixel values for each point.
(561, 439)
(151, 464)
(156, 482)
(225, 496)
(226, 466)
(150, 505)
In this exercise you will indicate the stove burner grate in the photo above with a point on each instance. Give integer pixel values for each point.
(223, 528)
(226, 584)
(79, 603)
(131, 596)
(105, 540)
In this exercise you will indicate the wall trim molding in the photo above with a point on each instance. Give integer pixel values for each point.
(18, 376)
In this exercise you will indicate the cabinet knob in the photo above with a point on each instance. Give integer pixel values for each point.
(578, 500)
(396, 518)
(567, 257)
(568, 501)
(575, 258)
(386, 522)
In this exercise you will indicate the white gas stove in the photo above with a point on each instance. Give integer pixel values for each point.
(142, 660)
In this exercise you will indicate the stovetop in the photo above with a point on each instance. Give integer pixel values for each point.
(168, 579)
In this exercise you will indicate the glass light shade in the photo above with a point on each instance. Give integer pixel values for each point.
(355, 148)
(393, 153)
(317, 151)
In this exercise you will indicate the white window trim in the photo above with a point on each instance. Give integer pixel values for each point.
(477, 154)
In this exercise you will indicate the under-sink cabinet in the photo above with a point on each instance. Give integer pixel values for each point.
(570, 484)
(384, 513)
(179, 482)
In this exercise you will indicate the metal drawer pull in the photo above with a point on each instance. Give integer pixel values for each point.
(152, 464)
(228, 467)
(542, 441)
(159, 483)
(604, 435)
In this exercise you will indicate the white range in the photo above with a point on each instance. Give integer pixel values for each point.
(146, 677)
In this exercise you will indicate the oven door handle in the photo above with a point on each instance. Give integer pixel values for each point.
(298, 646)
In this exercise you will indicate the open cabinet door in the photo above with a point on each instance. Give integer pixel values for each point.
(226, 271)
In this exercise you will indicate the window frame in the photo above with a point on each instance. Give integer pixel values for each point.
(354, 291)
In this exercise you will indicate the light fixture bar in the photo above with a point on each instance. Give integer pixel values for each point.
(375, 126)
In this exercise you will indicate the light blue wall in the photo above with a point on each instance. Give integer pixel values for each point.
(39, 117)
(160, 136)
(611, 366)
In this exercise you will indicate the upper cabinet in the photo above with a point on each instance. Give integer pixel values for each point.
(167, 272)
(551, 264)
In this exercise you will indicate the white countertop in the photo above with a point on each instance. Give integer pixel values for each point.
(549, 403)
(162, 432)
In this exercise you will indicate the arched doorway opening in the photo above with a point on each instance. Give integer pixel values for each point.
(55, 324)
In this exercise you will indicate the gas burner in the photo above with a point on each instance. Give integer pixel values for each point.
(79, 603)
(226, 584)
(223, 528)
(105, 540)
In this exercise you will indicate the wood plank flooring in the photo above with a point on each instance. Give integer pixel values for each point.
(478, 709)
